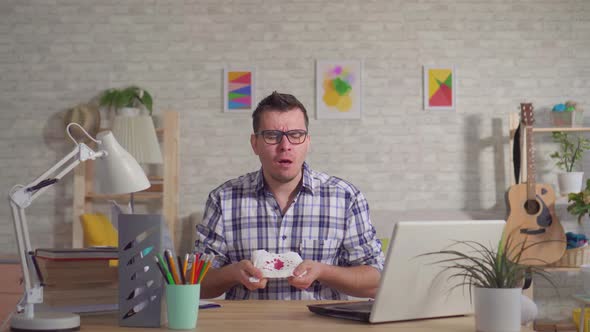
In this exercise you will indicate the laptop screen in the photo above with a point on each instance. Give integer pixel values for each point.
(413, 287)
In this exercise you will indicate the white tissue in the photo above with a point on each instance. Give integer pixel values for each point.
(275, 265)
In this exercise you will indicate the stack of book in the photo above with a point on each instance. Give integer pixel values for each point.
(79, 280)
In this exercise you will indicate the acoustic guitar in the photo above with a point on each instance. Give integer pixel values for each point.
(532, 221)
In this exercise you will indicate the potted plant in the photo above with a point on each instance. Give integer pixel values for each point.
(494, 276)
(571, 151)
(580, 202)
(134, 129)
(130, 97)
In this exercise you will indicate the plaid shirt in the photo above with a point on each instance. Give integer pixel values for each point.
(328, 222)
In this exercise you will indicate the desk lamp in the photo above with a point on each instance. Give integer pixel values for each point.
(122, 175)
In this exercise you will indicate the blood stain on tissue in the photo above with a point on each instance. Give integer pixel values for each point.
(278, 264)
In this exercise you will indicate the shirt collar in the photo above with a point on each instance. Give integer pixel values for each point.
(307, 179)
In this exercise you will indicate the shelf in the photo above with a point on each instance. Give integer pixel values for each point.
(569, 129)
(561, 269)
(163, 189)
(159, 131)
(141, 196)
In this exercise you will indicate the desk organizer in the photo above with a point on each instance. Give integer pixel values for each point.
(140, 281)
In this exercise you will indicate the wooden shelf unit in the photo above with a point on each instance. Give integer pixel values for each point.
(167, 187)
(513, 123)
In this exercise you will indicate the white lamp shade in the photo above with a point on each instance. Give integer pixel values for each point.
(137, 135)
(118, 172)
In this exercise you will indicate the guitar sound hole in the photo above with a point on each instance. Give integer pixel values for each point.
(532, 207)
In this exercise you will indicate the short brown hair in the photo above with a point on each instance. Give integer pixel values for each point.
(281, 102)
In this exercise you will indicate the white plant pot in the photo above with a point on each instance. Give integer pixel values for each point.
(570, 182)
(128, 111)
(497, 309)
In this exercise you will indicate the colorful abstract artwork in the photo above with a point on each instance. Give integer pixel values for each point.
(338, 89)
(439, 88)
(238, 90)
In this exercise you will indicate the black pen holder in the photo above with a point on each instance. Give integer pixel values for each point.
(140, 282)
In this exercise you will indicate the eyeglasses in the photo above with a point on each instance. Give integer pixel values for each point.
(274, 137)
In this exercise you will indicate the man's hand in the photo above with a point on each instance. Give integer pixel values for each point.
(244, 270)
(305, 274)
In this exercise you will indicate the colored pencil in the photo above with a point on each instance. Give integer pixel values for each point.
(172, 266)
(180, 270)
(203, 267)
(198, 270)
(208, 264)
(165, 266)
(184, 266)
(166, 276)
(194, 268)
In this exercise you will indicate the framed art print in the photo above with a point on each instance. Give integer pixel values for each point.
(439, 88)
(338, 89)
(238, 90)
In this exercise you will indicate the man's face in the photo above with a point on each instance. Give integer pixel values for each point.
(281, 162)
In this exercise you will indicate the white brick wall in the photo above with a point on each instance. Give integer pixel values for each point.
(57, 53)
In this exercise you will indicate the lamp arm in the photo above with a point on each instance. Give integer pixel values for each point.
(24, 196)
(20, 197)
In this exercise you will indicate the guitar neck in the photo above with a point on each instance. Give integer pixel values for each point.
(530, 157)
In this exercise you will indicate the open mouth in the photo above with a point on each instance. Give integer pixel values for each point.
(285, 161)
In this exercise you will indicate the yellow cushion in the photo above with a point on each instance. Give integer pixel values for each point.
(98, 231)
(576, 315)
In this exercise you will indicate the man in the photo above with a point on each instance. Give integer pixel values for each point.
(285, 207)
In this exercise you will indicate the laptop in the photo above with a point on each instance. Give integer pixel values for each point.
(411, 286)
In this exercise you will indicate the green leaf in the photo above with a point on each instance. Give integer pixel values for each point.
(147, 101)
(571, 149)
(131, 96)
(483, 266)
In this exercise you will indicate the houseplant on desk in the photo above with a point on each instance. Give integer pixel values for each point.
(495, 276)
(571, 151)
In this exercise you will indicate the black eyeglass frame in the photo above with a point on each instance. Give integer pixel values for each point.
(281, 134)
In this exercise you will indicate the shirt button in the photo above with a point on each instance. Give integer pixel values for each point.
(284, 237)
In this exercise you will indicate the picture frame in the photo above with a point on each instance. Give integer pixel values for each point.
(239, 86)
(338, 89)
(440, 88)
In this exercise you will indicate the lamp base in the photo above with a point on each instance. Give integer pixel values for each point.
(45, 321)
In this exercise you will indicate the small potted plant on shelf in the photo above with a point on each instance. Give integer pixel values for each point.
(495, 277)
(131, 97)
(580, 202)
(134, 129)
(571, 151)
